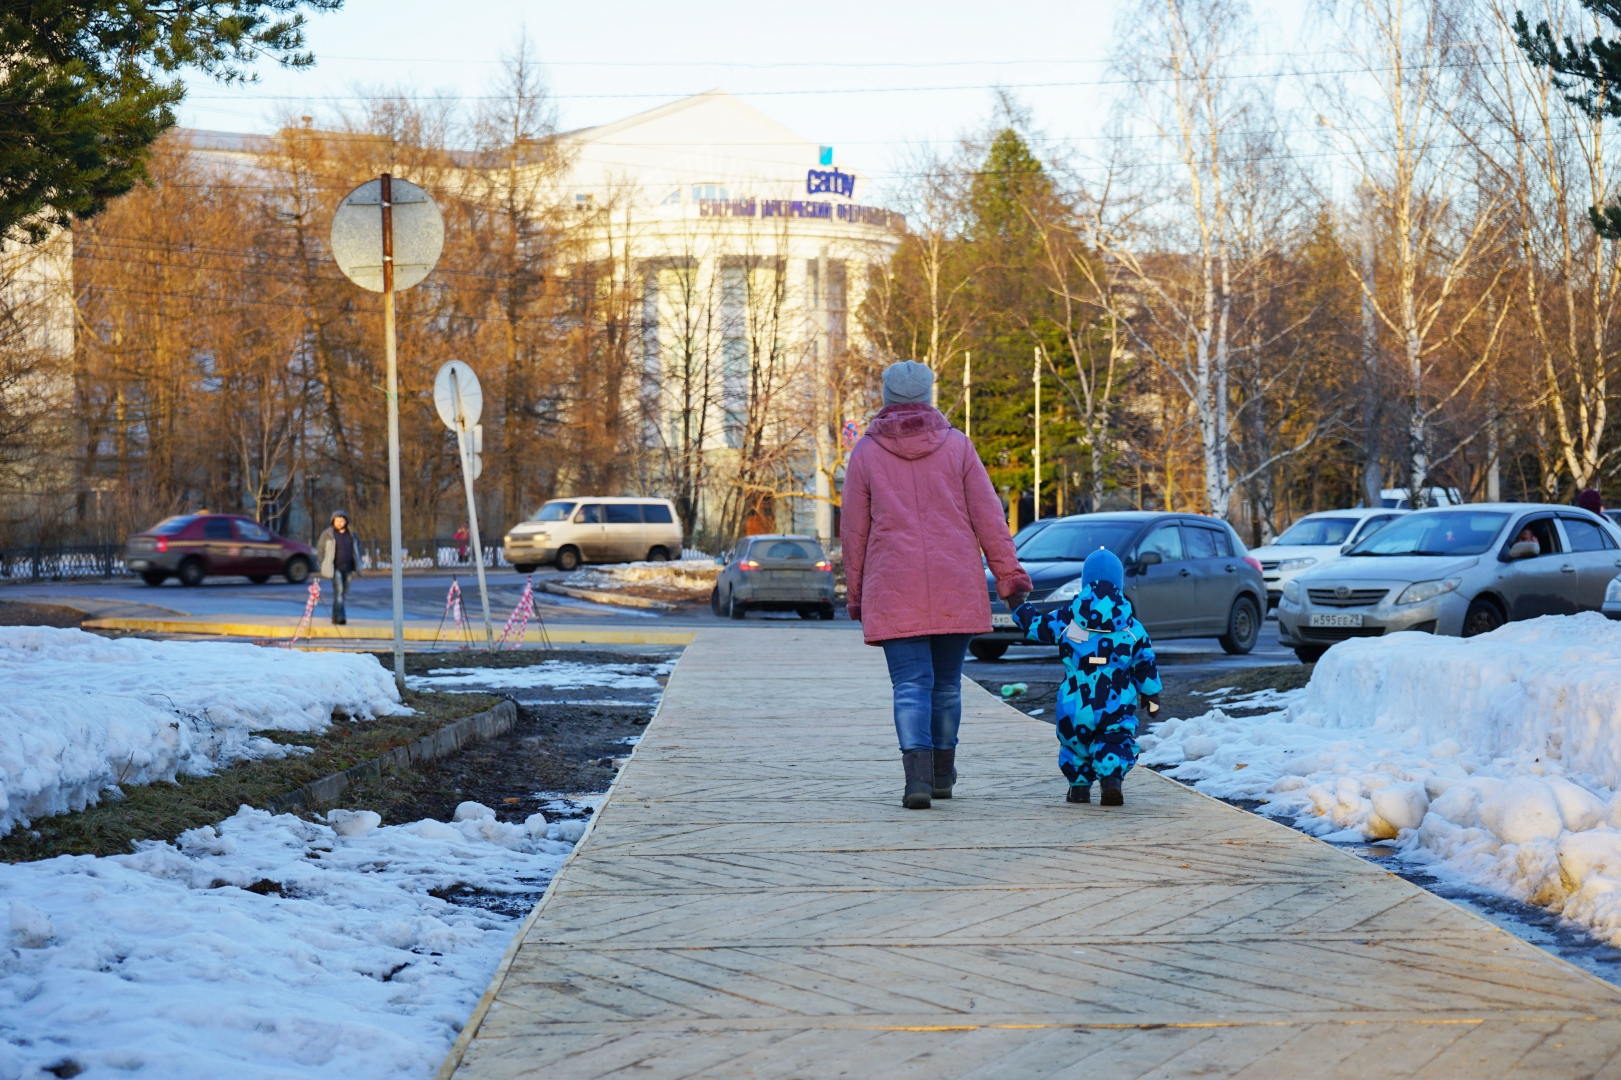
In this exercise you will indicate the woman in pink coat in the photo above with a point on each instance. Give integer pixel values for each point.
(917, 509)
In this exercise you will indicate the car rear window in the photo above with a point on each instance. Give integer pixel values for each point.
(557, 511)
(1447, 532)
(1318, 532)
(656, 514)
(1206, 543)
(1075, 540)
(624, 514)
(786, 549)
(171, 526)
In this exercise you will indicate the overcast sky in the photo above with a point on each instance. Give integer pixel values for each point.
(869, 78)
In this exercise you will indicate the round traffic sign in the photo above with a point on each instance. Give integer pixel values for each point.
(456, 380)
(357, 234)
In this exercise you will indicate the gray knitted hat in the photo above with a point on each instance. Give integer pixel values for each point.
(907, 382)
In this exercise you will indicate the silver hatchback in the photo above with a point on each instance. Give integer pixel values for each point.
(774, 573)
(1459, 571)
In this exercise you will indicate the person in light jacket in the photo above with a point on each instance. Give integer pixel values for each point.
(918, 508)
(339, 552)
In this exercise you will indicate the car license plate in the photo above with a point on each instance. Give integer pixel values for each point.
(1002, 622)
(136, 564)
(1336, 620)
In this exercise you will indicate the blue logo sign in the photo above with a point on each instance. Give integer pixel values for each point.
(829, 182)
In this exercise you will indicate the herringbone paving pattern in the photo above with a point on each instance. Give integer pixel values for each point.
(754, 902)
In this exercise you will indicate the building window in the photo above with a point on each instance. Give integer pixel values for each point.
(672, 199)
(813, 283)
(583, 199)
(837, 330)
(734, 295)
(709, 193)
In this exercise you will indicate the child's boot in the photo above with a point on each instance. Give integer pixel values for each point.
(1079, 793)
(1112, 796)
(919, 765)
(945, 772)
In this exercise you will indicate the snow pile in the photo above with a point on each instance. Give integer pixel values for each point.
(82, 713)
(550, 674)
(686, 579)
(1494, 760)
(270, 946)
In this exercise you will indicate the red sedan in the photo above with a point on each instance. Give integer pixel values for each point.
(195, 546)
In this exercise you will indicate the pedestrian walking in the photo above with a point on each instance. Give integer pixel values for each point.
(339, 553)
(918, 508)
(1108, 668)
(460, 537)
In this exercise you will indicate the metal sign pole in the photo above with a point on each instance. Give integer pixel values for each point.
(397, 561)
(464, 443)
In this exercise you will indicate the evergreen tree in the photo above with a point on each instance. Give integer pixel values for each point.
(89, 85)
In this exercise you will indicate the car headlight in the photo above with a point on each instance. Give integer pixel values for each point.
(1612, 591)
(1427, 590)
(1069, 590)
(1296, 564)
(1291, 591)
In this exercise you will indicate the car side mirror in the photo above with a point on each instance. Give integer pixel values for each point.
(1150, 558)
(1524, 549)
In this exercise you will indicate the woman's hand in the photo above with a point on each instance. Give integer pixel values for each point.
(1015, 599)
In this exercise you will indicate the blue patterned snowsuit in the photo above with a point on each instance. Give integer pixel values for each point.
(1108, 665)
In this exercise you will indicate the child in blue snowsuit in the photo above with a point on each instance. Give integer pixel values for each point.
(1108, 666)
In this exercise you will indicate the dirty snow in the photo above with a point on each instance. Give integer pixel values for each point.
(163, 962)
(548, 674)
(1494, 760)
(689, 579)
(82, 713)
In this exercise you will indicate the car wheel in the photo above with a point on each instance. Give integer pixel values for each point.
(258, 579)
(826, 612)
(1483, 617)
(192, 572)
(658, 554)
(714, 601)
(568, 559)
(154, 577)
(987, 650)
(735, 609)
(1310, 654)
(298, 570)
(524, 568)
(1243, 627)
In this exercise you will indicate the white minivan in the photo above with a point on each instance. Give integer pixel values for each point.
(596, 528)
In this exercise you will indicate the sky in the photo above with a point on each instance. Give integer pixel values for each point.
(871, 79)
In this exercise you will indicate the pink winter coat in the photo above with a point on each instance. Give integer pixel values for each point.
(918, 507)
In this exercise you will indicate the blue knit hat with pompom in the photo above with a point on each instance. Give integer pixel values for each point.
(1103, 565)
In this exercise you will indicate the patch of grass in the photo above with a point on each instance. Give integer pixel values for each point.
(163, 811)
(1250, 680)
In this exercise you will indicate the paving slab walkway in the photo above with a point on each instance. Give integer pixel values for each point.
(752, 901)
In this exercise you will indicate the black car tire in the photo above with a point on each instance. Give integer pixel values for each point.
(806, 613)
(1310, 654)
(826, 613)
(714, 601)
(298, 570)
(154, 577)
(988, 650)
(192, 572)
(658, 554)
(258, 579)
(568, 559)
(1483, 617)
(735, 609)
(1243, 627)
(523, 568)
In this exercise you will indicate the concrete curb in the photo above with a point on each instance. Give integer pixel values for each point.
(605, 597)
(378, 631)
(467, 731)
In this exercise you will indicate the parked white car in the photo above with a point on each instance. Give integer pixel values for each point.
(1312, 541)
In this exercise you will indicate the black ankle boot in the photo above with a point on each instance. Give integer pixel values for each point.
(945, 772)
(1079, 793)
(1111, 791)
(919, 765)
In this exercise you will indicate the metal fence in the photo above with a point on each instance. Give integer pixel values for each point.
(65, 562)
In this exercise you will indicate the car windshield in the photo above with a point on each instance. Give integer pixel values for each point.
(170, 526)
(1450, 532)
(557, 511)
(1075, 540)
(1318, 532)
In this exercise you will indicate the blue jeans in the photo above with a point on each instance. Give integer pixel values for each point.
(927, 675)
(340, 588)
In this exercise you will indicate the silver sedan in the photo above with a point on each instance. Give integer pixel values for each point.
(1458, 571)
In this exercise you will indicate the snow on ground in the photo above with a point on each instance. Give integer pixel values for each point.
(83, 713)
(684, 579)
(183, 961)
(549, 674)
(1493, 760)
